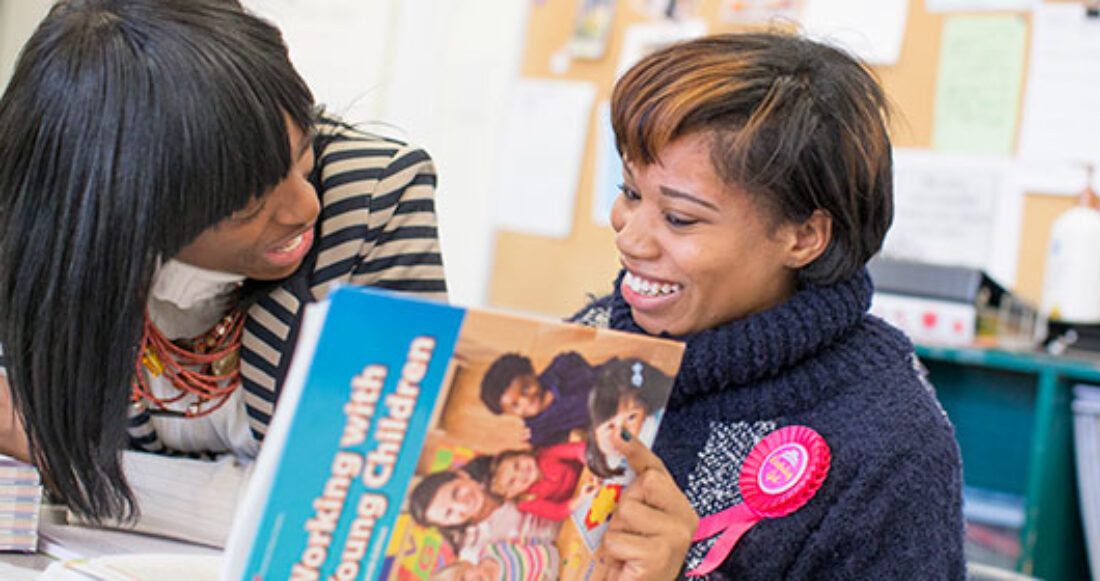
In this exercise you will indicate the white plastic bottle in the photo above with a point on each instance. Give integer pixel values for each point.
(1071, 284)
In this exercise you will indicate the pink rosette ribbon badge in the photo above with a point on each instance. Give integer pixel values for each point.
(780, 475)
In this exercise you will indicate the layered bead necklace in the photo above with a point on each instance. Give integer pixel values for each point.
(215, 354)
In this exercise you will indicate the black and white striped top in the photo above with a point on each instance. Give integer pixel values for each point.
(377, 227)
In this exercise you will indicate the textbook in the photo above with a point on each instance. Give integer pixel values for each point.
(20, 499)
(416, 440)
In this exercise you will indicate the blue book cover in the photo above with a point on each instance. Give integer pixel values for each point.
(418, 440)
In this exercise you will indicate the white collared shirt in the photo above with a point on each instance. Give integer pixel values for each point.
(186, 301)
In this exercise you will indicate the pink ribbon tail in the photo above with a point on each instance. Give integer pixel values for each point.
(731, 523)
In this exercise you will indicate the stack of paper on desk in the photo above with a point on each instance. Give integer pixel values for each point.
(20, 497)
(84, 553)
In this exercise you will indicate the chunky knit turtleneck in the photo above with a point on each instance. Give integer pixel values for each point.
(891, 505)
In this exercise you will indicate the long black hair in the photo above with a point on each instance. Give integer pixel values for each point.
(130, 126)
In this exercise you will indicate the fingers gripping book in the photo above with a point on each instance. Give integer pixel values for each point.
(418, 441)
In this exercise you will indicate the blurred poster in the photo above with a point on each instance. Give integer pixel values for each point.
(670, 9)
(591, 28)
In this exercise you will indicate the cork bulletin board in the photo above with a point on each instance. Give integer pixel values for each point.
(554, 276)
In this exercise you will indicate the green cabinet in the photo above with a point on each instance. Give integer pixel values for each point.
(1014, 425)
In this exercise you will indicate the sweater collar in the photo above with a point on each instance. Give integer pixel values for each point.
(763, 344)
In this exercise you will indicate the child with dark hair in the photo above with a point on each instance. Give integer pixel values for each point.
(551, 404)
(630, 395)
(469, 517)
(542, 481)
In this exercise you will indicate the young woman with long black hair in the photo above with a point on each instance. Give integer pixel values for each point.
(170, 198)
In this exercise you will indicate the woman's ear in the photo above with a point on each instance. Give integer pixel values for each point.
(810, 239)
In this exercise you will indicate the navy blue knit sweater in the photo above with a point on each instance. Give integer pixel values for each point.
(891, 505)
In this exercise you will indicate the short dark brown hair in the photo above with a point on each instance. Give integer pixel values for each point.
(799, 125)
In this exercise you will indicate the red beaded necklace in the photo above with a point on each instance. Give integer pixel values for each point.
(215, 353)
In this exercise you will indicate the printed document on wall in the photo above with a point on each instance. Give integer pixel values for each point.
(1061, 122)
(980, 5)
(956, 210)
(543, 147)
(978, 89)
(872, 29)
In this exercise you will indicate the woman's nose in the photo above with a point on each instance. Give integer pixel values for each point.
(633, 237)
(300, 205)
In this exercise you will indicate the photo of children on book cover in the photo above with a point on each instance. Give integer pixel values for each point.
(519, 473)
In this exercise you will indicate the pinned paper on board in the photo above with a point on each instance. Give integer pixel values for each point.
(758, 11)
(871, 29)
(670, 9)
(978, 89)
(956, 210)
(936, 6)
(543, 147)
(1060, 120)
(591, 27)
(640, 40)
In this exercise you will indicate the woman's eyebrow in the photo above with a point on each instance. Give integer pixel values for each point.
(674, 193)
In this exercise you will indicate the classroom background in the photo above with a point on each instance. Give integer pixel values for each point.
(996, 125)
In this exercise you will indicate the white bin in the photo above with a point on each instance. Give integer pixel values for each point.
(1086, 429)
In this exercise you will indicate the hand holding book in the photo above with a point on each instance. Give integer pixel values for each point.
(653, 524)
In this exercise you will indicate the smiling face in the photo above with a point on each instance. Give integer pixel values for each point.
(514, 475)
(697, 252)
(455, 503)
(524, 397)
(630, 416)
(269, 238)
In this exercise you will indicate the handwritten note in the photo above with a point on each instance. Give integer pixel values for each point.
(978, 90)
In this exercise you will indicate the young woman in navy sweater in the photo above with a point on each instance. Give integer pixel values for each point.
(801, 440)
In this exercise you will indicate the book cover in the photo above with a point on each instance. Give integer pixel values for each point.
(418, 440)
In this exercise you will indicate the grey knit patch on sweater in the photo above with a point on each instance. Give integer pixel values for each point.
(598, 317)
(712, 484)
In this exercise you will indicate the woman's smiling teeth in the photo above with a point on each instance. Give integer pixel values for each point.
(291, 244)
(647, 287)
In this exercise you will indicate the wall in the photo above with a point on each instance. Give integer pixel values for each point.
(429, 71)
(17, 20)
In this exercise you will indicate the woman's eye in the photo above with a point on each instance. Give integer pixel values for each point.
(629, 193)
(677, 221)
(250, 211)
